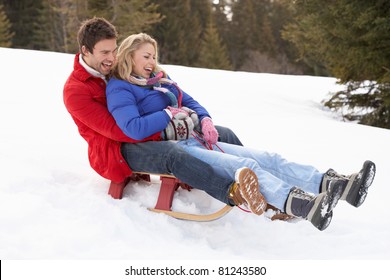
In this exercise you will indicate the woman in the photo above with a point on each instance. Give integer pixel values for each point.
(144, 101)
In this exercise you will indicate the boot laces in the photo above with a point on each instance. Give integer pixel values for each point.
(334, 175)
(298, 193)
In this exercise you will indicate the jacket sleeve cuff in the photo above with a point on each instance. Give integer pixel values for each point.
(169, 113)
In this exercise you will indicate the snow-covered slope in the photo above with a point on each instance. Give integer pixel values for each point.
(53, 205)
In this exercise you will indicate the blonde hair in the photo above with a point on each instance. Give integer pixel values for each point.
(124, 59)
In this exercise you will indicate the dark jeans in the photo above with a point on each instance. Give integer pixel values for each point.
(167, 157)
(226, 135)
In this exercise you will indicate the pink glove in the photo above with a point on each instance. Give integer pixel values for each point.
(174, 111)
(210, 134)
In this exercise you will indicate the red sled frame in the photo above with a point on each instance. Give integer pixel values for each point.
(169, 184)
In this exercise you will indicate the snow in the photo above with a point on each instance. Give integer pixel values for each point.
(53, 206)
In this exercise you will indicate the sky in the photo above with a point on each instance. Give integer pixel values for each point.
(53, 206)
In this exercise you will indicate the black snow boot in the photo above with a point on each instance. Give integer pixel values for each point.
(356, 185)
(316, 209)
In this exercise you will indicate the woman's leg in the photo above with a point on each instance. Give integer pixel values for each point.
(274, 188)
(305, 177)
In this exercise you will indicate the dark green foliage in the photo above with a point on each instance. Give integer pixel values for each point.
(187, 37)
(129, 16)
(365, 102)
(347, 39)
(50, 28)
(247, 28)
(252, 34)
(22, 14)
(178, 34)
(53, 24)
(213, 53)
(351, 39)
(5, 29)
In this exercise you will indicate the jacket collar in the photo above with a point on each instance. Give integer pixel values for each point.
(83, 71)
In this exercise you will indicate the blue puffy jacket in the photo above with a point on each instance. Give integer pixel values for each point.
(139, 111)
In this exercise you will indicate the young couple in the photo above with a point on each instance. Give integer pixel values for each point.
(145, 108)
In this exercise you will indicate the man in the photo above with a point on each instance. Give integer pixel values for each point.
(85, 99)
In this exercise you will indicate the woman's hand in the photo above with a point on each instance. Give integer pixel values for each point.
(210, 134)
(172, 111)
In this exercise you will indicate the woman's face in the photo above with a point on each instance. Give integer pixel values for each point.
(144, 60)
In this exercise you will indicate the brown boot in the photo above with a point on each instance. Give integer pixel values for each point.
(246, 191)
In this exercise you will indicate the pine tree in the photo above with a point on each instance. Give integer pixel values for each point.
(178, 34)
(253, 42)
(52, 30)
(263, 35)
(59, 20)
(131, 16)
(213, 53)
(351, 38)
(5, 29)
(243, 26)
(22, 14)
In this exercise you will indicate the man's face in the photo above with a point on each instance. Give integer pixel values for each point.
(103, 57)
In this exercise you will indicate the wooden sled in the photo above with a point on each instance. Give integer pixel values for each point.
(170, 184)
(195, 217)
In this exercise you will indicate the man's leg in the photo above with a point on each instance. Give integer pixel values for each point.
(227, 135)
(165, 157)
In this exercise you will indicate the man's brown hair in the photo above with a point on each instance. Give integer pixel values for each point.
(94, 30)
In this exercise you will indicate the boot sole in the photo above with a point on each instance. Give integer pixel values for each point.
(249, 190)
(358, 195)
(323, 214)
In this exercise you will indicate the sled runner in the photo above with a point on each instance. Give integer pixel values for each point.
(170, 184)
(195, 217)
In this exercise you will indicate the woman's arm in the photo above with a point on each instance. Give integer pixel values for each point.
(123, 106)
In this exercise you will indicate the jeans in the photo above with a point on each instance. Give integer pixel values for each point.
(169, 158)
(166, 157)
(227, 135)
(276, 175)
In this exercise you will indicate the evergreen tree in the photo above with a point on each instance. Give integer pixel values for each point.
(242, 28)
(22, 14)
(52, 30)
(59, 20)
(213, 53)
(351, 38)
(253, 41)
(222, 18)
(263, 36)
(5, 29)
(201, 9)
(130, 16)
(178, 34)
(280, 15)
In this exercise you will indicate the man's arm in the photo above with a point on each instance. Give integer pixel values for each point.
(94, 114)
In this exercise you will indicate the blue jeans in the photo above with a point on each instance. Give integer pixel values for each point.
(226, 135)
(169, 158)
(276, 175)
(166, 157)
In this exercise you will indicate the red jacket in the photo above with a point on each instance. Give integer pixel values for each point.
(85, 99)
